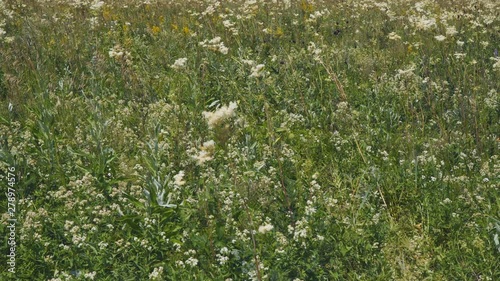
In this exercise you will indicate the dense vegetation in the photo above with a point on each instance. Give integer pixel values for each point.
(251, 140)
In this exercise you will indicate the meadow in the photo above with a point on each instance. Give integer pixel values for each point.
(250, 140)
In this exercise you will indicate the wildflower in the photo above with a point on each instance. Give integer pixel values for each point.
(90, 275)
(221, 114)
(440, 37)
(179, 178)
(315, 51)
(119, 54)
(446, 201)
(223, 49)
(96, 5)
(265, 228)
(215, 41)
(249, 62)
(424, 23)
(156, 274)
(227, 24)
(257, 71)
(496, 65)
(206, 152)
(451, 31)
(179, 64)
(191, 262)
(215, 44)
(393, 36)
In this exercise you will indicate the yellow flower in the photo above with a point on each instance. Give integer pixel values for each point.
(306, 6)
(279, 32)
(186, 30)
(155, 30)
(106, 14)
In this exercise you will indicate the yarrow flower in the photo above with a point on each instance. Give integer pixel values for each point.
(215, 44)
(179, 64)
(90, 275)
(156, 274)
(265, 228)
(179, 178)
(96, 5)
(393, 36)
(191, 262)
(206, 152)
(315, 51)
(257, 71)
(221, 114)
(119, 54)
(440, 37)
(451, 31)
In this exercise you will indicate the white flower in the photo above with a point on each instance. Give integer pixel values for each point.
(223, 49)
(179, 64)
(447, 201)
(90, 275)
(440, 37)
(156, 274)
(425, 23)
(208, 145)
(315, 51)
(215, 41)
(393, 36)
(221, 114)
(257, 71)
(179, 178)
(249, 62)
(96, 5)
(227, 24)
(496, 65)
(265, 228)
(451, 31)
(206, 152)
(191, 262)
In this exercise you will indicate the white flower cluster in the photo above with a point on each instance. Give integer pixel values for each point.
(223, 258)
(230, 25)
(179, 64)
(191, 262)
(96, 5)
(156, 274)
(206, 152)
(265, 228)
(394, 36)
(315, 51)
(178, 179)
(119, 54)
(423, 22)
(215, 45)
(221, 114)
(257, 71)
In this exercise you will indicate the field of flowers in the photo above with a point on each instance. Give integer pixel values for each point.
(250, 140)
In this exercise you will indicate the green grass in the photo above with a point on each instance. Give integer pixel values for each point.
(368, 145)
